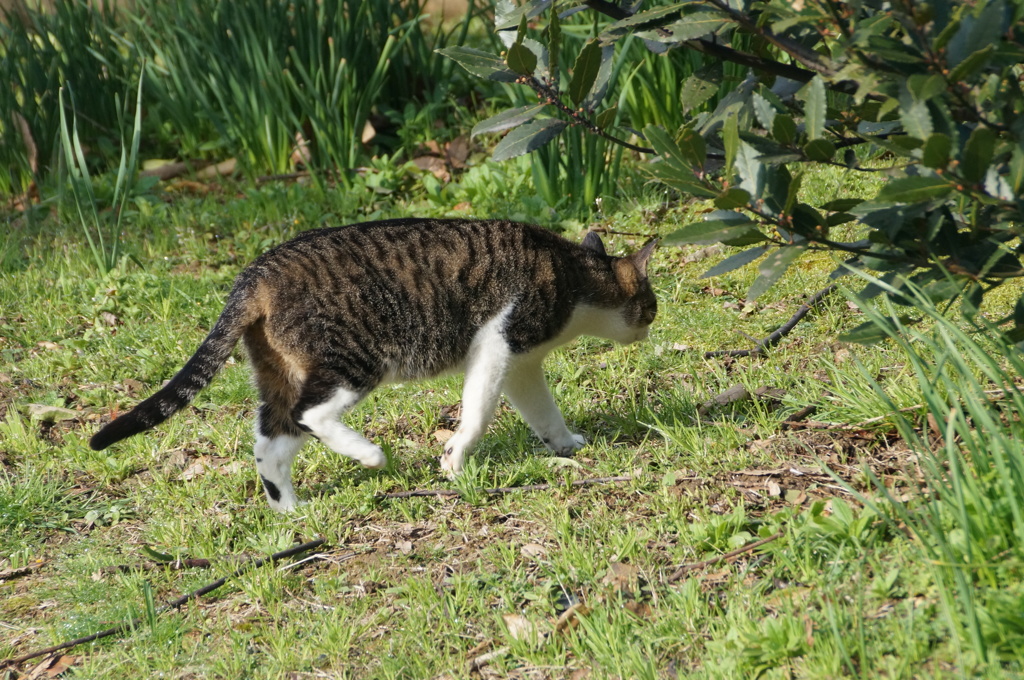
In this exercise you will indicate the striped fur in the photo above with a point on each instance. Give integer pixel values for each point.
(333, 313)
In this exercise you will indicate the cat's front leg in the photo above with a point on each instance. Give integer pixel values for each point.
(485, 370)
(479, 401)
(319, 415)
(528, 391)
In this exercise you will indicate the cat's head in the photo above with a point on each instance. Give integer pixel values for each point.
(637, 305)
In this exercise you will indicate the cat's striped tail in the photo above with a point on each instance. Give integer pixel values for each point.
(194, 376)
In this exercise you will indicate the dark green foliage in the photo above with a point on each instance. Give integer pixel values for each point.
(255, 80)
(76, 45)
(930, 90)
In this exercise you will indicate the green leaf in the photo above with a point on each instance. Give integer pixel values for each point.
(665, 146)
(584, 71)
(972, 64)
(521, 59)
(750, 170)
(708, 231)
(916, 119)
(681, 179)
(731, 142)
(733, 197)
(690, 27)
(507, 15)
(663, 143)
(942, 290)
(835, 219)
(604, 76)
(527, 138)
(713, 231)
(1016, 177)
(773, 267)
(784, 129)
(540, 50)
(652, 18)
(936, 151)
(700, 87)
(996, 185)
(673, 167)
(842, 204)
(554, 31)
(507, 119)
(157, 555)
(808, 222)
(521, 31)
(764, 110)
(814, 111)
(977, 155)
(914, 189)
(977, 32)
(605, 119)
(692, 148)
(479, 63)
(736, 261)
(792, 191)
(820, 150)
(925, 87)
(738, 238)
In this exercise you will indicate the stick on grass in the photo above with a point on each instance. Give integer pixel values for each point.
(502, 489)
(782, 331)
(128, 625)
(687, 568)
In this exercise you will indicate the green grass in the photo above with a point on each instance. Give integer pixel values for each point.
(414, 588)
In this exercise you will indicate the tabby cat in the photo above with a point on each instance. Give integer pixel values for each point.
(333, 313)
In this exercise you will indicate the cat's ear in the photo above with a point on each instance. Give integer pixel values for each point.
(631, 270)
(593, 242)
(641, 257)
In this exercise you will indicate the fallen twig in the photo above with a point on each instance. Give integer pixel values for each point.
(779, 333)
(612, 232)
(818, 425)
(687, 568)
(484, 659)
(502, 489)
(800, 416)
(128, 625)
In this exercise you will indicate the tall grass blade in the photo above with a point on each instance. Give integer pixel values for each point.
(968, 517)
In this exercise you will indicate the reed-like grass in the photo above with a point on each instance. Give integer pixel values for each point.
(76, 44)
(270, 82)
(969, 514)
(101, 224)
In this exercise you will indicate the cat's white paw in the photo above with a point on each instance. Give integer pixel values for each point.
(454, 456)
(286, 504)
(566, 445)
(371, 456)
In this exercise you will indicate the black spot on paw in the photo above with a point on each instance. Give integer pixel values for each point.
(259, 460)
(272, 491)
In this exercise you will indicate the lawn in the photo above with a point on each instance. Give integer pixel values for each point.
(598, 580)
(822, 509)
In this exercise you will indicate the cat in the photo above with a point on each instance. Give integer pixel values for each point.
(335, 312)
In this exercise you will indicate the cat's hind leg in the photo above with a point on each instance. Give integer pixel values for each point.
(275, 453)
(277, 437)
(488, 360)
(526, 388)
(318, 412)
